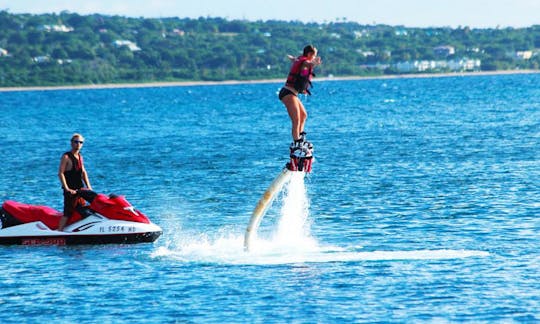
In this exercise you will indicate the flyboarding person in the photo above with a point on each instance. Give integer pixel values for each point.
(298, 82)
(72, 174)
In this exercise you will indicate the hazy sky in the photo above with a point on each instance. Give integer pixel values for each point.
(411, 13)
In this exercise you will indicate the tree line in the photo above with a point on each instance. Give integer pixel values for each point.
(68, 48)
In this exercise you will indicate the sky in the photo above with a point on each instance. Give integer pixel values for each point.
(409, 13)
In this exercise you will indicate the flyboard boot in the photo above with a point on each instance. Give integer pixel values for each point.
(301, 155)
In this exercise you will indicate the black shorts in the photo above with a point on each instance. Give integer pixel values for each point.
(285, 92)
(70, 203)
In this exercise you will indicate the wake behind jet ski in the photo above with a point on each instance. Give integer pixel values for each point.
(105, 219)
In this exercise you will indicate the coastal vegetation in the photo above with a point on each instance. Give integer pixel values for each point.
(68, 48)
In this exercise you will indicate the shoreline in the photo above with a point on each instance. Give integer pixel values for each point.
(236, 82)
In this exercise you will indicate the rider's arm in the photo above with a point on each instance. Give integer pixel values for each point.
(63, 165)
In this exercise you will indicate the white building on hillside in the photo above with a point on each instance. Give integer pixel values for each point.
(415, 66)
(464, 65)
(129, 44)
(41, 59)
(524, 55)
(453, 65)
(56, 28)
(444, 50)
(361, 33)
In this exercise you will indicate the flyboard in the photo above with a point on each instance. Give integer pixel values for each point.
(301, 158)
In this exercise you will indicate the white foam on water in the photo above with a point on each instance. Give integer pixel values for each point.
(293, 228)
(290, 243)
(229, 250)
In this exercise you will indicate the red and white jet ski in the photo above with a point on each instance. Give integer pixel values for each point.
(105, 220)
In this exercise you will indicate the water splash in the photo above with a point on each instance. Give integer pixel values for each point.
(291, 238)
(290, 243)
(293, 230)
(229, 250)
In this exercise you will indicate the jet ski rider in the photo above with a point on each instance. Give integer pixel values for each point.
(299, 81)
(72, 174)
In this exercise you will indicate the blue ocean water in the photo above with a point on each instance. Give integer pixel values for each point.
(423, 205)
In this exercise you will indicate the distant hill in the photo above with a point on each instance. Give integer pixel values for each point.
(67, 48)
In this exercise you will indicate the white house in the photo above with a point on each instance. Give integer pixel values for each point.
(376, 66)
(129, 44)
(416, 66)
(365, 53)
(41, 59)
(463, 64)
(361, 33)
(62, 62)
(179, 32)
(444, 50)
(401, 32)
(56, 28)
(524, 55)
(3, 52)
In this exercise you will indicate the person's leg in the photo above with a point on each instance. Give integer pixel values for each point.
(68, 209)
(302, 118)
(62, 223)
(293, 108)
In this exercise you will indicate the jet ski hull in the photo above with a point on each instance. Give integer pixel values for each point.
(107, 220)
(94, 229)
(80, 239)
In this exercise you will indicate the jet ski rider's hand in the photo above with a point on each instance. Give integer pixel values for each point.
(71, 191)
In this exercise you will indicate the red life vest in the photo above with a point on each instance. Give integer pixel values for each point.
(300, 79)
(74, 176)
